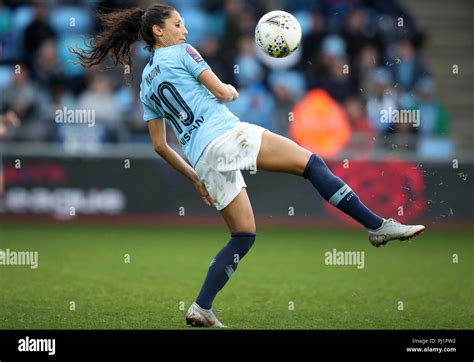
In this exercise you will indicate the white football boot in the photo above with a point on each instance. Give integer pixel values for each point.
(198, 317)
(391, 230)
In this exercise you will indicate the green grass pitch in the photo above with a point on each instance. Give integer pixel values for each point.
(283, 283)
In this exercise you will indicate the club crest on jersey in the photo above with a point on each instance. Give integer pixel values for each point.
(194, 54)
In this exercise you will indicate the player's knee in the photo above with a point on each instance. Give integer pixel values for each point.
(302, 162)
(246, 226)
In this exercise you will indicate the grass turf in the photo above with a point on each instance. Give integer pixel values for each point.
(283, 283)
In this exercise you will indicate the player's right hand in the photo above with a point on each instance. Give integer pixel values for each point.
(203, 192)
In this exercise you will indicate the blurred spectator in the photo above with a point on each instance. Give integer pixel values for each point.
(210, 49)
(60, 97)
(337, 10)
(381, 97)
(138, 129)
(24, 98)
(408, 67)
(359, 33)
(333, 47)
(255, 104)
(339, 82)
(434, 118)
(46, 66)
(288, 87)
(358, 119)
(5, 20)
(100, 98)
(38, 31)
(196, 21)
(367, 60)
(394, 21)
(363, 132)
(233, 13)
(335, 76)
(8, 45)
(12, 41)
(311, 44)
(320, 124)
(248, 70)
(434, 121)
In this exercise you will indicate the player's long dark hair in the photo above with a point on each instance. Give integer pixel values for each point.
(120, 30)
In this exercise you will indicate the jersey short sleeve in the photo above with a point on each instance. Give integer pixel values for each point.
(193, 61)
(150, 112)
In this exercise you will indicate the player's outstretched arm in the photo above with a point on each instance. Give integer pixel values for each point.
(222, 91)
(157, 129)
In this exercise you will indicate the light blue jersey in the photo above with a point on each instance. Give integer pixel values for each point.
(170, 89)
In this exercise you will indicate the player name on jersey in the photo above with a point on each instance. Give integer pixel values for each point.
(153, 73)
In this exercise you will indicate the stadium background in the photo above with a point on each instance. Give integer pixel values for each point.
(81, 195)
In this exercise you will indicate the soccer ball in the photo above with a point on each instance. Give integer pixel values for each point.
(278, 34)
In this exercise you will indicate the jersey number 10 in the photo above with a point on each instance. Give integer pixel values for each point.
(177, 111)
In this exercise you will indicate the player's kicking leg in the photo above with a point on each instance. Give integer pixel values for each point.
(281, 154)
(240, 220)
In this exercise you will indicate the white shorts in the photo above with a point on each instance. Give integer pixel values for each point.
(221, 161)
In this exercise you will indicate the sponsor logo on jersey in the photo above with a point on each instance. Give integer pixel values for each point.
(194, 54)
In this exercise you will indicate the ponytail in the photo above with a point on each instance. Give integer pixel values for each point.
(120, 30)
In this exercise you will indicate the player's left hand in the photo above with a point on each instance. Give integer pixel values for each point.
(203, 192)
(233, 94)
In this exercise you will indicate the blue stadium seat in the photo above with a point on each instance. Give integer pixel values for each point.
(71, 20)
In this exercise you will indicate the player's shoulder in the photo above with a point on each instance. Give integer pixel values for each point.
(181, 54)
(183, 48)
(177, 48)
(192, 52)
(171, 54)
(178, 51)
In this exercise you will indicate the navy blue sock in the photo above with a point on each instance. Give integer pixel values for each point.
(338, 193)
(223, 266)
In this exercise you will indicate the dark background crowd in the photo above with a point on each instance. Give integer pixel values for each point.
(366, 57)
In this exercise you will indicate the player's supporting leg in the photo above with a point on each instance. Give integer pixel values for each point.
(279, 153)
(240, 219)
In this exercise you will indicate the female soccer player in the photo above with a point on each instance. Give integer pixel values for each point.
(179, 87)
